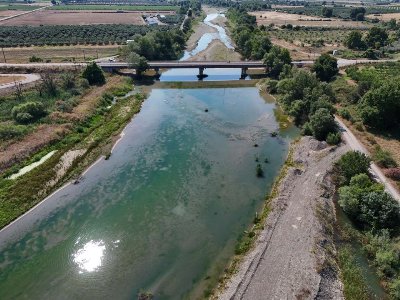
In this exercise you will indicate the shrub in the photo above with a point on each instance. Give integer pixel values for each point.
(393, 173)
(28, 112)
(334, 138)
(344, 113)
(8, 132)
(351, 164)
(272, 86)
(394, 288)
(384, 158)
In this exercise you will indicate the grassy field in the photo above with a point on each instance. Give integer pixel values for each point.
(116, 7)
(18, 7)
(59, 53)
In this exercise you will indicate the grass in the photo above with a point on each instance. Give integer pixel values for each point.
(116, 7)
(18, 7)
(355, 287)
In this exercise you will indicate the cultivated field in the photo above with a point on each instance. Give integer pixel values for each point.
(58, 53)
(385, 17)
(84, 17)
(142, 8)
(281, 18)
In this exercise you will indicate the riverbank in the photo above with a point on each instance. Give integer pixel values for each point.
(294, 254)
(79, 147)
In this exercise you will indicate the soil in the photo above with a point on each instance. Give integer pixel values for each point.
(217, 51)
(9, 79)
(281, 18)
(84, 17)
(294, 254)
(385, 17)
(43, 135)
(58, 53)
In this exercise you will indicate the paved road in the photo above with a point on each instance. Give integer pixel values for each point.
(354, 144)
(28, 79)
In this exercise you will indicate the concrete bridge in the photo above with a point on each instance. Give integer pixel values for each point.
(201, 65)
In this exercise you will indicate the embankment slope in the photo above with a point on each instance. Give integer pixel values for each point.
(294, 254)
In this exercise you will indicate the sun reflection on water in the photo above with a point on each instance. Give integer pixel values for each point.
(89, 258)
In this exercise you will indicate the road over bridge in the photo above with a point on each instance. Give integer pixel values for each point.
(201, 65)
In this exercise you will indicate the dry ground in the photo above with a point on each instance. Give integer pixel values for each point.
(8, 79)
(59, 53)
(74, 17)
(385, 17)
(281, 18)
(217, 51)
(294, 255)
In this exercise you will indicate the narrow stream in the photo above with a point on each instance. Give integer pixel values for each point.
(202, 44)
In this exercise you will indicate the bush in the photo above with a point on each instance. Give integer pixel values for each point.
(28, 112)
(94, 74)
(344, 113)
(351, 164)
(272, 86)
(394, 288)
(8, 132)
(384, 158)
(393, 173)
(334, 138)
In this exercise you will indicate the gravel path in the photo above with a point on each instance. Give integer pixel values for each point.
(355, 144)
(289, 259)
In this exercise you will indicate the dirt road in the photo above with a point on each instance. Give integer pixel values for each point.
(289, 260)
(354, 144)
(27, 78)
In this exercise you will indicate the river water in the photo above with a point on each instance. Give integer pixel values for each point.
(202, 44)
(163, 214)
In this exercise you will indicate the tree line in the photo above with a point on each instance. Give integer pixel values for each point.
(12, 36)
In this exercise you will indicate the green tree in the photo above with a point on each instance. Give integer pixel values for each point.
(376, 37)
(322, 123)
(378, 210)
(94, 74)
(354, 41)
(350, 195)
(352, 163)
(358, 14)
(139, 63)
(276, 59)
(326, 67)
(327, 12)
(380, 107)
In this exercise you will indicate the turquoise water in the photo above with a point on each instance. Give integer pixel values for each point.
(162, 214)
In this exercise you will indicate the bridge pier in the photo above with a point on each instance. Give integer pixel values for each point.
(157, 70)
(243, 73)
(201, 73)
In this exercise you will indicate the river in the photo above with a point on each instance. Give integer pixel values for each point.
(163, 214)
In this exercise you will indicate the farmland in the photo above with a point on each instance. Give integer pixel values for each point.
(58, 35)
(59, 53)
(282, 18)
(385, 17)
(51, 17)
(141, 8)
